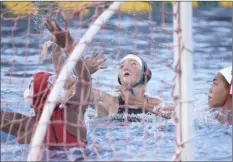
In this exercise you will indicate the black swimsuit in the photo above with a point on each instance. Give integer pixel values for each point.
(122, 108)
(131, 111)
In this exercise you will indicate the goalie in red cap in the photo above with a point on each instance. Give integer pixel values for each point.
(66, 127)
(69, 117)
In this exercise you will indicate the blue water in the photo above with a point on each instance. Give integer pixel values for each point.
(153, 139)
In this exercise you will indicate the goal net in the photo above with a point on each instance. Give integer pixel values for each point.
(145, 29)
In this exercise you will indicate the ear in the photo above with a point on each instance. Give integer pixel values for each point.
(146, 73)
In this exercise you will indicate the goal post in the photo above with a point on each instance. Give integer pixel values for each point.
(39, 134)
(183, 92)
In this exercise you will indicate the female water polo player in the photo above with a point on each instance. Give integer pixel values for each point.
(220, 96)
(133, 77)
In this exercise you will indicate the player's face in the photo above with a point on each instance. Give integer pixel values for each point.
(217, 92)
(130, 72)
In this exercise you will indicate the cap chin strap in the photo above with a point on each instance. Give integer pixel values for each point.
(137, 84)
(141, 81)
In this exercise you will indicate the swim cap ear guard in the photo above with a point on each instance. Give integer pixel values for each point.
(28, 95)
(146, 76)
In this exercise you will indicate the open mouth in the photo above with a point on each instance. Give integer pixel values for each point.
(126, 74)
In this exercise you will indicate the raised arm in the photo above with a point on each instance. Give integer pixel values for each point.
(56, 54)
(61, 37)
(77, 104)
(62, 45)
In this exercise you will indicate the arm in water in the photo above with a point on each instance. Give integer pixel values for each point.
(18, 125)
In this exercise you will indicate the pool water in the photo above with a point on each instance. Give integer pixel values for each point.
(153, 139)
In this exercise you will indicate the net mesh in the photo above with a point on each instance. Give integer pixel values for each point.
(141, 28)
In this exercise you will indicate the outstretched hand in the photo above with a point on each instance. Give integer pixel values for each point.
(59, 36)
(93, 63)
(63, 39)
(165, 111)
(147, 103)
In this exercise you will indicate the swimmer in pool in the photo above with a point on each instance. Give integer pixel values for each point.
(132, 91)
(134, 74)
(69, 110)
(220, 96)
(23, 126)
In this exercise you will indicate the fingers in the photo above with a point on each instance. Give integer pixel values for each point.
(101, 62)
(52, 25)
(93, 54)
(96, 56)
(101, 54)
(57, 26)
(169, 108)
(49, 27)
(103, 67)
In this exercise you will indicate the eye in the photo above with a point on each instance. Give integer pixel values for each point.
(134, 63)
(121, 66)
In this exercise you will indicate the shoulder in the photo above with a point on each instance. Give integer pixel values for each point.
(104, 100)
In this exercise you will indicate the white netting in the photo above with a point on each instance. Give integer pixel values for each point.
(141, 28)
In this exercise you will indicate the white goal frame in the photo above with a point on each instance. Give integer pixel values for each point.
(183, 81)
(183, 57)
